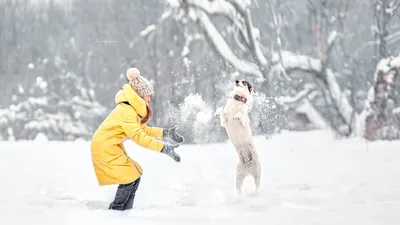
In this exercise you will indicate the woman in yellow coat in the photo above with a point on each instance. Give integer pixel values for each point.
(111, 163)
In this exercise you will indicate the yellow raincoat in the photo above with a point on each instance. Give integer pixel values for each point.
(110, 160)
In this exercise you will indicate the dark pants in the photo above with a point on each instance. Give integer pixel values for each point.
(125, 195)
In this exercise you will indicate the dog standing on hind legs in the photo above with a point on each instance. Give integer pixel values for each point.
(235, 119)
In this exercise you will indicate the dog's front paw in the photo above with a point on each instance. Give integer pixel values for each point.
(236, 116)
(222, 120)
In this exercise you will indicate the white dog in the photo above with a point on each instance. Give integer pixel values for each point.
(235, 119)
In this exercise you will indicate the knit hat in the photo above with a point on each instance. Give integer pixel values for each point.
(140, 84)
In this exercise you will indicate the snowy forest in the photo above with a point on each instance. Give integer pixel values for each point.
(314, 64)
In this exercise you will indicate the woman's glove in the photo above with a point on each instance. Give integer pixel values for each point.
(172, 134)
(169, 150)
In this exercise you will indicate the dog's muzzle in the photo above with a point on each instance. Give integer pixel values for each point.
(237, 83)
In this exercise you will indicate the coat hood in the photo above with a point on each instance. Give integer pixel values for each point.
(127, 94)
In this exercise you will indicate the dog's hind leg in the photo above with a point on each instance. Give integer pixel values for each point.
(256, 173)
(240, 175)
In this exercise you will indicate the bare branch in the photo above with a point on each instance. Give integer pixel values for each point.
(223, 48)
(298, 97)
(395, 9)
(147, 30)
(301, 104)
(313, 115)
(292, 61)
(236, 34)
(277, 29)
(150, 29)
(331, 43)
(254, 46)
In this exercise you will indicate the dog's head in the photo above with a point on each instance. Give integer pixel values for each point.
(244, 89)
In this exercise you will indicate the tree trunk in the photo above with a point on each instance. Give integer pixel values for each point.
(380, 116)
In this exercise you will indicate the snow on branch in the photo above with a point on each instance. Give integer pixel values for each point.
(222, 47)
(215, 7)
(291, 61)
(340, 99)
(313, 115)
(301, 104)
(236, 33)
(387, 64)
(242, 3)
(223, 8)
(148, 30)
(332, 37)
(298, 97)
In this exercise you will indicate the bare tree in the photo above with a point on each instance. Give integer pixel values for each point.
(382, 118)
(238, 13)
(384, 11)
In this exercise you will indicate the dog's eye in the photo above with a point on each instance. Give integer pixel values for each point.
(244, 83)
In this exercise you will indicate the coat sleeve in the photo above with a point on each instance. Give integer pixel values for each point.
(132, 128)
(156, 132)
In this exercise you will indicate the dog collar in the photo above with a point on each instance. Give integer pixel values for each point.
(240, 98)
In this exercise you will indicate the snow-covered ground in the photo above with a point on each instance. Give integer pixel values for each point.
(308, 178)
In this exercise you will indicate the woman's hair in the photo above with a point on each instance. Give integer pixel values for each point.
(148, 116)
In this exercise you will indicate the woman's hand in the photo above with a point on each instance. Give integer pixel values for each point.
(169, 150)
(172, 134)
